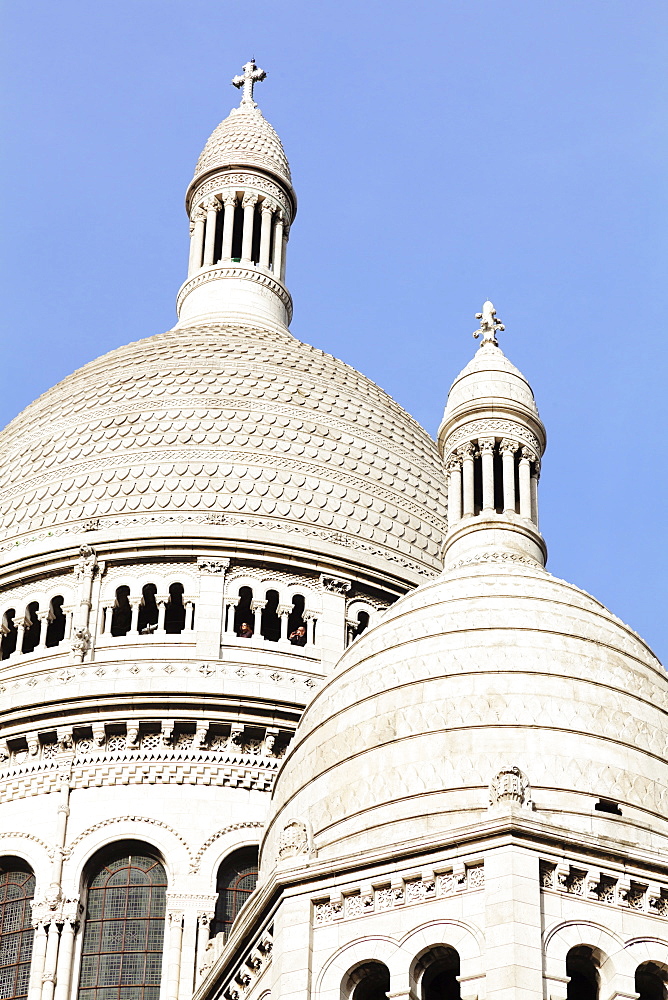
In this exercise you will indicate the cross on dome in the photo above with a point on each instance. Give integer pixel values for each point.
(490, 323)
(251, 75)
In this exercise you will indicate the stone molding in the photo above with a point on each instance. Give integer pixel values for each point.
(222, 833)
(609, 886)
(225, 181)
(216, 271)
(486, 426)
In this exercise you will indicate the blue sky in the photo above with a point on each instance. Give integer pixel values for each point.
(442, 153)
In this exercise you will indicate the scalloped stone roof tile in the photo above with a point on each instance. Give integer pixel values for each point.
(244, 138)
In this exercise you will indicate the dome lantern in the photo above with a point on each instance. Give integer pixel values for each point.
(240, 204)
(492, 440)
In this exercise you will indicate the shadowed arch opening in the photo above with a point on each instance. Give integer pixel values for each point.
(437, 972)
(243, 614)
(237, 877)
(367, 981)
(124, 924)
(17, 888)
(175, 612)
(651, 981)
(270, 622)
(33, 628)
(582, 970)
(147, 620)
(55, 629)
(9, 634)
(121, 616)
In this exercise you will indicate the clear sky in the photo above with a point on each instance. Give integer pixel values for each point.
(442, 152)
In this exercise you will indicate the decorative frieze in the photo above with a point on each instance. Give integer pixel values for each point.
(359, 901)
(614, 889)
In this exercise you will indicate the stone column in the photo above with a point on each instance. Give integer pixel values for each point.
(278, 244)
(210, 603)
(37, 962)
(284, 612)
(230, 203)
(196, 240)
(525, 483)
(257, 607)
(508, 449)
(43, 618)
(310, 619)
(535, 476)
(50, 961)
(468, 453)
(265, 232)
(454, 491)
(135, 604)
(230, 605)
(175, 923)
(65, 953)
(108, 615)
(487, 450)
(162, 609)
(20, 624)
(190, 615)
(249, 202)
(284, 252)
(212, 206)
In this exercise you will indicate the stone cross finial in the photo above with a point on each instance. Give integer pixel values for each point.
(251, 76)
(490, 323)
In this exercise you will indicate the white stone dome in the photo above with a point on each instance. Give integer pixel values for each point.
(489, 375)
(494, 665)
(240, 426)
(244, 139)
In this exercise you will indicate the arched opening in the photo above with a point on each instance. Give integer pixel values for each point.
(175, 612)
(33, 628)
(237, 877)
(121, 616)
(257, 225)
(147, 621)
(296, 616)
(651, 982)
(581, 968)
(124, 924)
(477, 483)
(9, 633)
(369, 981)
(244, 618)
(270, 623)
(55, 629)
(498, 480)
(237, 233)
(17, 888)
(362, 622)
(439, 980)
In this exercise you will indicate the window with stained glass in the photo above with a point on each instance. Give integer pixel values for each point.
(124, 929)
(237, 877)
(17, 888)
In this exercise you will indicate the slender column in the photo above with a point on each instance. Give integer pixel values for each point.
(174, 959)
(487, 449)
(108, 614)
(37, 962)
(69, 618)
(230, 605)
(49, 974)
(455, 491)
(135, 604)
(212, 205)
(284, 611)
(265, 232)
(190, 614)
(310, 619)
(64, 968)
(196, 240)
(249, 202)
(20, 624)
(535, 476)
(203, 930)
(467, 455)
(43, 617)
(278, 244)
(508, 449)
(230, 203)
(162, 608)
(525, 483)
(284, 253)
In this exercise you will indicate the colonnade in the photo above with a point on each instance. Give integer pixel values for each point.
(283, 611)
(219, 212)
(107, 612)
(473, 480)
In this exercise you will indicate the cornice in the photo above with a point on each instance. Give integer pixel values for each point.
(236, 271)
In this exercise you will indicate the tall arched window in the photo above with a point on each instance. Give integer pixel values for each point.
(148, 609)
(55, 630)
(369, 981)
(581, 968)
(17, 888)
(121, 616)
(33, 628)
(124, 925)
(651, 981)
(439, 980)
(175, 612)
(237, 877)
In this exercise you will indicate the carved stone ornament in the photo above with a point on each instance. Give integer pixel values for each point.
(212, 204)
(81, 640)
(510, 785)
(335, 585)
(489, 324)
(294, 840)
(87, 563)
(205, 565)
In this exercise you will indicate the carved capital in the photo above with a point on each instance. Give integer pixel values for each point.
(508, 447)
(268, 206)
(486, 445)
(199, 215)
(212, 204)
(284, 610)
(229, 198)
(469, 451)
(257, 605)
(249, 200)
(528, 455)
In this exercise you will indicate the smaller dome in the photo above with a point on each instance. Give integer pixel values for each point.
(490, 375)
(244, 139)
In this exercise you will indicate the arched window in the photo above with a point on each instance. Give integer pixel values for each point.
(17, 888)
(439, 979)
(175, 612)
(147, 621)
(296, 617)
(55, 630)
(270, 624)
(243, 615)
(651, 980)
(581, 968)
(8, 629)
(369, 981)
(33, 628)
(124, 925)
(237, 877)
(362, 622)
(121, 616)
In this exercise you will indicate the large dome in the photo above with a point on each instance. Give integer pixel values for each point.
(241, 426)
(244, 139)
(495, 665)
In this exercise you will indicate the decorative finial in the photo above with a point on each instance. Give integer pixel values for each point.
(251, 76)
(490, 323)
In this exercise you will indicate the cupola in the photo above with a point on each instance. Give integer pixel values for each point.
(492, 440)
(240, 204)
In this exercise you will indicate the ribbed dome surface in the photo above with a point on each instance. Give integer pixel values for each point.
(238, 422)
(489, 374)
(494, 664)
(244, 138)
